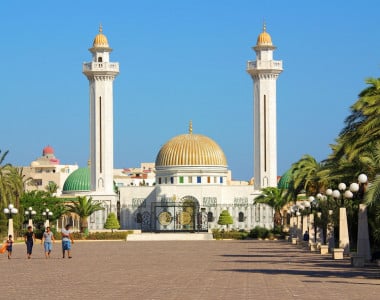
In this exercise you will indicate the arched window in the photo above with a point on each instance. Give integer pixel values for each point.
(241, 216)
(210, 217)
(100, 59)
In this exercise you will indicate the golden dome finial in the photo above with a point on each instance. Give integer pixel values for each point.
(191, 127)
(264, 39)
(100, 40)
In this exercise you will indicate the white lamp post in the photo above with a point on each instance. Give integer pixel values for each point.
(47, 214)
(344, 240)
(363, 246)
(9, 212)
(30, 213)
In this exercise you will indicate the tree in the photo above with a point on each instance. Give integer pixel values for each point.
(225, 218)
(362, 125)
(40, 201)
(51, 187)
(11, 183)
(112, 222)
(84, 208)
(274, 197)
(11, 188)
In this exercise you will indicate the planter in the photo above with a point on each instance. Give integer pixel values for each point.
(324, 249)
(337, 253)
(294, 241)
(313, 247)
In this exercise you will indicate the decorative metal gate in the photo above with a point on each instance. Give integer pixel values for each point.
(182, 216)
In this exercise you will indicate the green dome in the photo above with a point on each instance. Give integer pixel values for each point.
(78, 181)
(285, 180)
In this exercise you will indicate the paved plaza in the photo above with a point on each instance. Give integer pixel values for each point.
(184, 270)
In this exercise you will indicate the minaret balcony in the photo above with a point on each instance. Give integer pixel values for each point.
(264, 65)
(101, 67)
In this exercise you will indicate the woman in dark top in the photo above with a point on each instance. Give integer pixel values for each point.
(29, 239)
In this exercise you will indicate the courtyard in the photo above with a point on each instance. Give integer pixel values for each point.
(184, 270)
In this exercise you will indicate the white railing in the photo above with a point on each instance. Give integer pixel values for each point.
(101, 66)
(266, 65)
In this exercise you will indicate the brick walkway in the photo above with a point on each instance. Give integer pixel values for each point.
(184, 270)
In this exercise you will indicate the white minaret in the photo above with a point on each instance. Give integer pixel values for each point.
(101, 73)
(264, 72)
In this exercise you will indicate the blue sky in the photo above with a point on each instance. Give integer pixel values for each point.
(180, 61)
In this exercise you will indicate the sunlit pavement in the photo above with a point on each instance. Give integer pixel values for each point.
(184, 270)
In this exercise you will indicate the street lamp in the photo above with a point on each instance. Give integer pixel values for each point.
(312, 204)
(9, 212)
(296, 228)
(344, 240)
(47, 214)
(363, 246)
(30, 213)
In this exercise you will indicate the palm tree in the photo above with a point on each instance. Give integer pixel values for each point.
(372, 196)
(11, 183)
(51, 187)
(274, 197)
(362, 125)
(305, 175)
(84, 208)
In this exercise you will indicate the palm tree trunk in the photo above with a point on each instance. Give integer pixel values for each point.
(84, 225)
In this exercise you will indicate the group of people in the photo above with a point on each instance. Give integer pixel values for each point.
(47, 240)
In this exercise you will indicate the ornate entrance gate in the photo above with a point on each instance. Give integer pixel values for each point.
(181, 216)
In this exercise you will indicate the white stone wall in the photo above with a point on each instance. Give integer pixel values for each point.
(237, 199)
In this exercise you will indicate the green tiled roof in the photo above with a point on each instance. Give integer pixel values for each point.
(78, 181)
(285, 180)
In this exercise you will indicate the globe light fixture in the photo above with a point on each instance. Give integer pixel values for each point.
(335, 194)
(362, 178)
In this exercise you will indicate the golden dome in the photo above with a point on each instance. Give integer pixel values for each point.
(264, 38)
(100, 41)
(191, 150)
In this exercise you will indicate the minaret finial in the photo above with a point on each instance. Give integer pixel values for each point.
(264, 26)
(191, 127)
(100, 28)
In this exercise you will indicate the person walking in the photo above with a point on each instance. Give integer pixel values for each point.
(9, 246)
(29, 238)
(47, 239)
(67, 239)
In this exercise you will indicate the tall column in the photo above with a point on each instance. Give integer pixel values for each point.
(344, 240)
(101, 74)
(10, 228)
(305, 225)
(363, 247)
(312, 233)
(264, 72)
(330, 239)
(299, 227)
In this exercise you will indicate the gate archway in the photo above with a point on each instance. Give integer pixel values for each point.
(176, 216)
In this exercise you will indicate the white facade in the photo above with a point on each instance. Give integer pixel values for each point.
(192, 184)
(264, 72)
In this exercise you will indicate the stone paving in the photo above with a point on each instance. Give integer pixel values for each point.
(184, 270)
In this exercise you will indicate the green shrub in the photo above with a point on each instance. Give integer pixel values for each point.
(259, 232)
(116, 235)
(122, 235)
(233, 234)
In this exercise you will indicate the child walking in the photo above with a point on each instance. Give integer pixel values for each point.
(9, 246)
